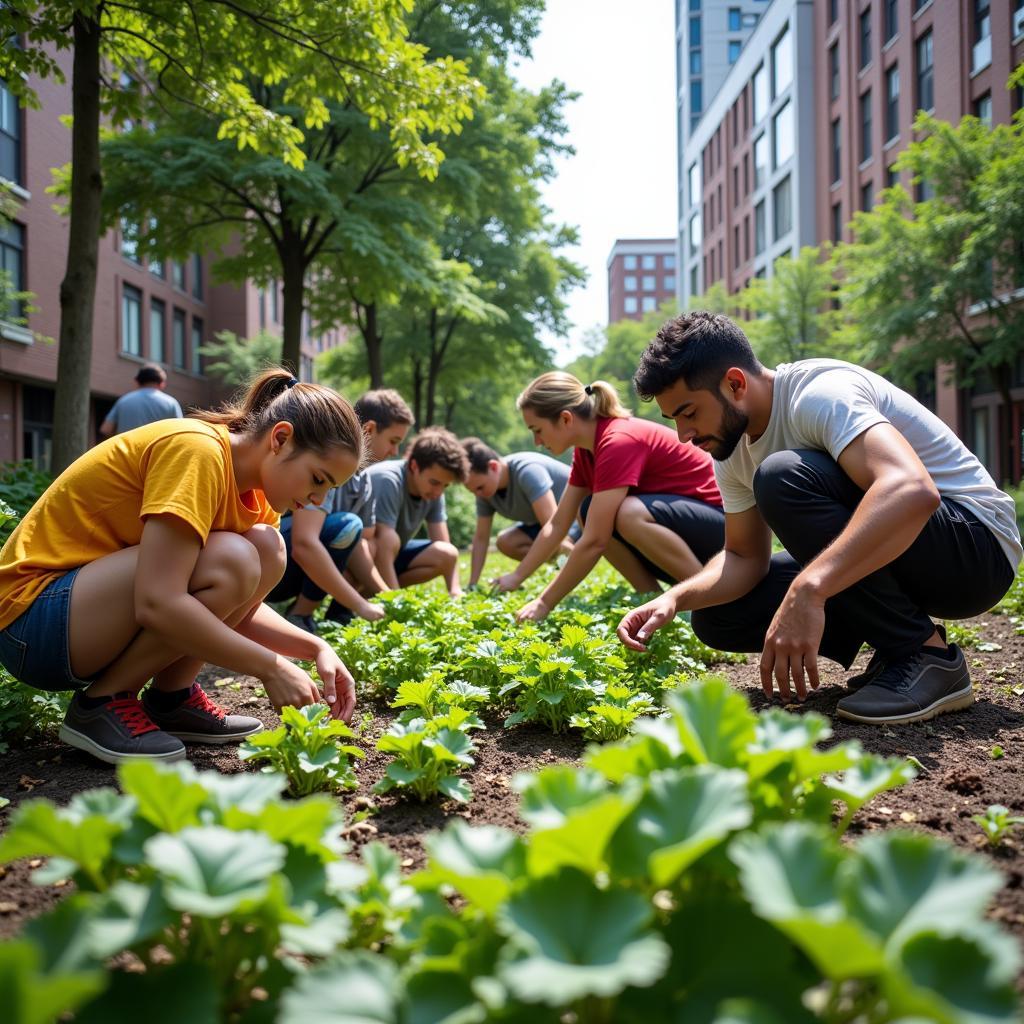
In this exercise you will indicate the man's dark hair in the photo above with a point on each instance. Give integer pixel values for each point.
(478, 453)
(697, 348)
(439, 447)
(150, 374)
(384, 407)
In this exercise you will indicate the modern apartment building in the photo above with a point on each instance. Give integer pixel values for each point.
(641, 276)
(160, 312)
(747, 191)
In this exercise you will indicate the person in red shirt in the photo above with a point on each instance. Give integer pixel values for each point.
(648, 502)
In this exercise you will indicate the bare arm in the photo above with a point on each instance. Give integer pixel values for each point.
(550, 537)
(107, 428)
(438, 531)
(361, 565)
(388, 545)
(481, 542)
(545, 507)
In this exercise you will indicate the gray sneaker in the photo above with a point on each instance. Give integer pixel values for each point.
(876, 665)
(912, 690)
(199, 720)
(118, 731)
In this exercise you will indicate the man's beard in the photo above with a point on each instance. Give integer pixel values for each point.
(730, 432)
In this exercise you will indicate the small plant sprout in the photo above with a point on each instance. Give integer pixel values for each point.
(996, 752)
(997, 823)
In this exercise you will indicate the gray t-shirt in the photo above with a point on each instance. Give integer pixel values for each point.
(395, 506)
(142, 406)
(530, 476)
(354, 495)
(824, 404)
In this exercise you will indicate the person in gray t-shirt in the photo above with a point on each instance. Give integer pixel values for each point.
(408, 493)
(146, 404)
(887, 519)
(524, 487)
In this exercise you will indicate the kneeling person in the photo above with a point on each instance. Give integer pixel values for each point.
(409, 492)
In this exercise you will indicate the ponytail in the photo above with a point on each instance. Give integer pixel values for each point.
(553, 393)
(321, 419)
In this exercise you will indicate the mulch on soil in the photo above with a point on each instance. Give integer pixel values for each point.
(959, 776)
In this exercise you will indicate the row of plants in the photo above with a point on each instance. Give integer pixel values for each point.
(695, 871)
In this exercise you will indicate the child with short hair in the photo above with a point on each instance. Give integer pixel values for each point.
(324, 540)
(151, 555)
(408, 492)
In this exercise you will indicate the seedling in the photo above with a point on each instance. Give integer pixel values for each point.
(997, 823)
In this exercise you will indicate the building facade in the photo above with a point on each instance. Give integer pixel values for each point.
(157, 312)
(748, 169)
(641, 277)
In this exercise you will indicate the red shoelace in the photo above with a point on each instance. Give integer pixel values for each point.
(133, 714)
(201, 702)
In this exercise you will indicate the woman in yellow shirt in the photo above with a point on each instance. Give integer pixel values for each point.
(152, 554)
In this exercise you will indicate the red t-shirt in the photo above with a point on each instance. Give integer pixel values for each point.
(645, 457)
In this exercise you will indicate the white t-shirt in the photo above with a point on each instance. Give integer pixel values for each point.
(824, 404)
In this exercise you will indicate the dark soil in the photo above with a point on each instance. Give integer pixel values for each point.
(959, 776)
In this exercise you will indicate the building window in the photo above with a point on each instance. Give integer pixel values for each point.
(735, 45)
(759, 229)
(197, 340)
(695, 31)
(865, 126)
(782, 64)
(695, 5)
(696, 96)
(865, 38)
(760, 94)
(736, 247)
(178, 339)
(892, 176)
(782, 135)
(693, 280)
(837, 222)
(782, 208)
(669, 262)
(629, 304)
(695, 62)
(982, 20)
(157, 269)
(629, 263)
(833, 11)
(648, 262)
(178, 274)
(892, 22)
(693, 182)
(629, 282)
(197, 276)
(131, 320)
(983, 109)
(695, 233)
(833, 71)
(157, 331)
(129, 241)
(924, 190)
(668, 283)
(735, 19)
(925, 73)
(649, 304)
(867, 196)
(10, 135)
(837, 150)
(746, 237)
(760, 160)
(892, 102)
(12, 264)
(650, 283)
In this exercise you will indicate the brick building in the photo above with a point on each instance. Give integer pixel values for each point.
(641, 276)
(159, 313)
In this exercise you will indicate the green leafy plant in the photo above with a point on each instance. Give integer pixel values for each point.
(21, 484)
(997, 823)
(26, 712)
(612, 716)
(305, 748)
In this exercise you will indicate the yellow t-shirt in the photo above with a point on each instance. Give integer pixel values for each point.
(99, 504)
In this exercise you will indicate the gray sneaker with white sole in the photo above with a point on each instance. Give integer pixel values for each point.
(200, 720)
(118, 731)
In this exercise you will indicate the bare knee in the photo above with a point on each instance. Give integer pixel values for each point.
(447, 554)
(273, 554)
(508, 544)
(228, 572)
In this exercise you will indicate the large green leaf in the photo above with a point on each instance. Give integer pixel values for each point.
(211, 871)
(640, 755)
(715, 723)
(867, 778)
(170, 995)
(169, 796)
(550, 795)
(683, 813)
(311, 824)
(571, 940)
(482, 863)
(31, 997)
(789, 874)
(354, 988)
(442, 997)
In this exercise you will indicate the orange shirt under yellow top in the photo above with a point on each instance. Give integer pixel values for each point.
(99, 504)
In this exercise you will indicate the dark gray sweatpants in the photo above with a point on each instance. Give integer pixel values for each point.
(953, 570)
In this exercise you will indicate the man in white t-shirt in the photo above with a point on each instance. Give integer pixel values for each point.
(886, 518)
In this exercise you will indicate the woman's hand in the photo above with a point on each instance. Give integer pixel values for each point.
(288, 685)
(638, 626)
(533, 611)
(370, 611)
(510, 581)
(339, 686)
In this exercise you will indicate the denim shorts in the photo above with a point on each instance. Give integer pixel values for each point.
(35, 649)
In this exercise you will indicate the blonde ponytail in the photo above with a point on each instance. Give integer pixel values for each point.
(553, 393)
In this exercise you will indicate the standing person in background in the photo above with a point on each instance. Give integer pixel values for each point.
(409, 492)
(325, 540)
(148, 403)
(649, 503)
(524, 487)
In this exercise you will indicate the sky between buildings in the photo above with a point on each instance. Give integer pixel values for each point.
(622, 181)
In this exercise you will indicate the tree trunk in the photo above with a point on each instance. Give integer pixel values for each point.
(78, 289)
(374, 344)
(293, 291)
(1004, 425)
(417, 391)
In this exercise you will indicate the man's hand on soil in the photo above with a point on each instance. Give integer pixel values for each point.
(791, 644)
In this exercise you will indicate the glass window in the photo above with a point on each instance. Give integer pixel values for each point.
(759, 229)
(837, 150)
(649, 304)
(734, 50)
(668, 283)
(693, 280)
(925, 70)
(197, 340)
(129, 241)
(735, 19)
(669, 261)
(782, 64)
(10, 135)
(693, 176)
(782, 208)
(833, 11)
(157, 330)
(650, 283)
(695, 31)
(924, 190)
(629, 262)
(867, 196)
(865, 126)
(760, 94)
(197, 276)
(983, 109)
(892, 22)
(833, 71)
(131, 320)
(696, 97)
(157, 269)
(629, 304)
(837, 222)
(865, 37)
(695, 62)
(892, 102)
(178, 274)
(760, 160)
(892, 176)
(782, 135)
(629, 282)
(649, 262)
(982, 20)
(695, 233)
(694, 5)
(12, 263)
(178, 339)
